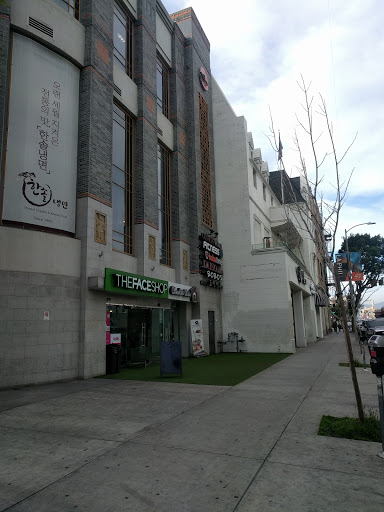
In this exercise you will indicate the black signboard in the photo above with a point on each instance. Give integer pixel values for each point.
(211, 253)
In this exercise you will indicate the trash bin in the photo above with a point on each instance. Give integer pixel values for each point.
(113, 359)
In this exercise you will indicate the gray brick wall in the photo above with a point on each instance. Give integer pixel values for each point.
(180, 181)
(196, 55)
(96, 102)
(145, 180)
(34, 350)
(4, 80)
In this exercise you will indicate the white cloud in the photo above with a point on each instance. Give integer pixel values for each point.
(258, 51)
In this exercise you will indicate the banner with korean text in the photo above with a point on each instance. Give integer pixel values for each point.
(41, 164)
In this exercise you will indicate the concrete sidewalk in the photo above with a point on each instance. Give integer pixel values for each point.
(106, 445)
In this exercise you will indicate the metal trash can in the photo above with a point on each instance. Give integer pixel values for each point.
(113, 359)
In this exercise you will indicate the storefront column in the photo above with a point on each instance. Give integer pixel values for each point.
(297, 299)
(320, 331)
(310, 319)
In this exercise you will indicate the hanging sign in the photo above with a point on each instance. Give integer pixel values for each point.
(210, 261)
(41, 166)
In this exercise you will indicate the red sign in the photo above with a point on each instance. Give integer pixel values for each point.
(357, 276)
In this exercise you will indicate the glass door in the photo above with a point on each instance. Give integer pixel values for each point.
(142, 330)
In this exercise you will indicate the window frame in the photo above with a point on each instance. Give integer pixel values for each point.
(128, 236)
(255, 178)
(125, 19)
(163, 102)
(75, 7)
(164, 204)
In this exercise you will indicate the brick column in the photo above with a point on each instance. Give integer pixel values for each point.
(94, 190)
(145, 188)
(5, 45)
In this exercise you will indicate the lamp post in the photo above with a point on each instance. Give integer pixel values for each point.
(351, 293)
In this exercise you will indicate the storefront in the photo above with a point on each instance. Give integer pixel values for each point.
(141, 312)
(140, 330)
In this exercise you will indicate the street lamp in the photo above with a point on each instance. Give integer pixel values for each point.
(351, 293)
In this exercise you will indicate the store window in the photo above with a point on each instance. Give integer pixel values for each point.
(162, 86)
(164, 204)
(72, 6)
(122, 181)
(123, 40)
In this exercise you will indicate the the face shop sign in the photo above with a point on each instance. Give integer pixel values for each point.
(123, 282)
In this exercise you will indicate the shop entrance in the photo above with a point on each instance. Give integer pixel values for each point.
(141, 330)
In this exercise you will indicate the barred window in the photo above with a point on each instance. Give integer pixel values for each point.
(72, 6)
(205, 163)
(123, 40)
(122, 181)
(164, 204)
(162, 86)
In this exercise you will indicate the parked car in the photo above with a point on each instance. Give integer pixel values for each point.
(370, 328)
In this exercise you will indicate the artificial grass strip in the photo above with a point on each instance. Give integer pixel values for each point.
(351, 428)
(358, 364)
(225, 369)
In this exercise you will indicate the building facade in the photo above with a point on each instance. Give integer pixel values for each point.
(270, 295)
(108, 182)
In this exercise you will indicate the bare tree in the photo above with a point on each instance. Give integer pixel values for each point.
(310, 210)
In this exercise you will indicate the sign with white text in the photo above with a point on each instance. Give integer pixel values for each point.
(41, 165)
(124, 282)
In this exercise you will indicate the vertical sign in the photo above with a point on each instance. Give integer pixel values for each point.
(197, 338)
(41, 165)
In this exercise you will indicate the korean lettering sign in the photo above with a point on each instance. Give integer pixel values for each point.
(41, 165)
(210, 261)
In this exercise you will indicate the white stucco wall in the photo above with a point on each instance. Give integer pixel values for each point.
(256, 296)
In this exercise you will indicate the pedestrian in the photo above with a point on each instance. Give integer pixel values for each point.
(334, 325)
(340, 326)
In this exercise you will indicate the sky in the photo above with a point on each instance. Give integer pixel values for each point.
(260, 50)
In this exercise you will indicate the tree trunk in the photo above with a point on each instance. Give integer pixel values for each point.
(340, 301)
